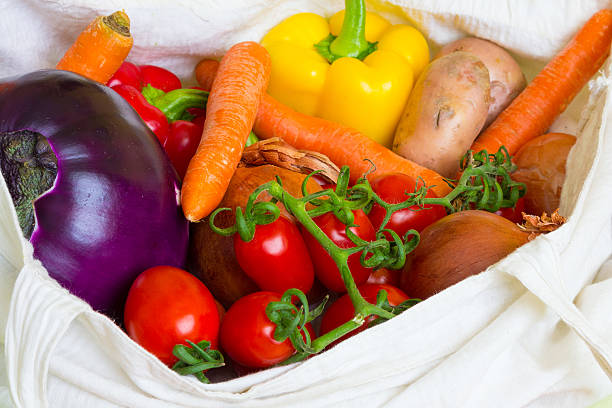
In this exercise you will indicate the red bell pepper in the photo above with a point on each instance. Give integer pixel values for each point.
(158, 108)
(139, 76)
(176, 115)
(152, 116)
(159, 78)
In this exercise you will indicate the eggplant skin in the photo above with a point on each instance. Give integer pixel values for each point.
(114, 209)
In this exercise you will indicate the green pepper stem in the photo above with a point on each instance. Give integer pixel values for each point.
(174, 103)
(351, 41)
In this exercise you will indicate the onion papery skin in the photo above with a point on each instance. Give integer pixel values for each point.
(456, 247)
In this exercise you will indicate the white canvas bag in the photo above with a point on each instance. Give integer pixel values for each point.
(533, 330)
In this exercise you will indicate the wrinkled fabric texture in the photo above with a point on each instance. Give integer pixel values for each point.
(534, 330)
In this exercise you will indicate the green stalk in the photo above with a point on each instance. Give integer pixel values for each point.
(340, 256)
(173, 104)
(351, 41)
(328, 338)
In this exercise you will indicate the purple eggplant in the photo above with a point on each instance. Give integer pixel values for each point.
(105, 196)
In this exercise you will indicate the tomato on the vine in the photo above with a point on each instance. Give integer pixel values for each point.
(385, 276)
(392, 189)
(513, 214)
(247, 335)
(276, 258)
(326, 269)
(166, 306)
(342, 310)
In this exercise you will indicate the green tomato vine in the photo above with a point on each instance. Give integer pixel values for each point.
(484, 184)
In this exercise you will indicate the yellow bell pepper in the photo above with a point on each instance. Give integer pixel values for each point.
(356, 69)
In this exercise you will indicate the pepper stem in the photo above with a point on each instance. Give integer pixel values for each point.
(351, 41)
(174, 103)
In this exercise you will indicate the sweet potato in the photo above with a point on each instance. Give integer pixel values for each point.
(445, 112)
(507, 79)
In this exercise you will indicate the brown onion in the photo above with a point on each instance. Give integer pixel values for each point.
(541, 166)
(211, 256)
(455, 247)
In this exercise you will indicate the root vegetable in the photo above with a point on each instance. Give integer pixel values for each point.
(211, 256)
(507, 79)
(445, 112)
(457, 246)
(541, 166)
(532, 112)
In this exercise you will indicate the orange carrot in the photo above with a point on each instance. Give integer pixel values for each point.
(100, 49)
(343, 145)
(534, 110)
(206, 70)
(236, 93)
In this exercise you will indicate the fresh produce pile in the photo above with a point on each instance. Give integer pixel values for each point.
(314, 184)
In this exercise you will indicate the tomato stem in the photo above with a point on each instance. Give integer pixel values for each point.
(484, 184)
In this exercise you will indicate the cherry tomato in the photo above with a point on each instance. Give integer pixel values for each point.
(159, 78)
(183, 140)
(325, 267)
(127, 74)
(323, 182)
(392, 189)
(342, 310)
(276, 258)
(385, 276)
(247, 335)
(166, 306)
(153, 117)
(513, 214)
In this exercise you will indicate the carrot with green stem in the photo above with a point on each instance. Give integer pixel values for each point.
(343, 145)
(237, 89)
(534, 110)
(100, 49)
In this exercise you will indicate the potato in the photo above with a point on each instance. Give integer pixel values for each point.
(541, 166)
(507, 79)
(444, 113)
(211, 256)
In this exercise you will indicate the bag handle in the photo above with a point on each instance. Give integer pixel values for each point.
(40, 313)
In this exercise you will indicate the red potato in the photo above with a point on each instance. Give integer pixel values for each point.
(445, 112)
(507, 79)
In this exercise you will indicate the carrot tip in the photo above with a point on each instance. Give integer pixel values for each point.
(118, 22)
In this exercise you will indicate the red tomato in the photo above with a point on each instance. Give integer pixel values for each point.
(513, 214)
(127, 74)
(342, 310)
(166, 306)
(276, 258)
(325, 267)
(392, 189)
(385, 276)
(247, 335)
(183, 140)
(323, 182)
(159, 78)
